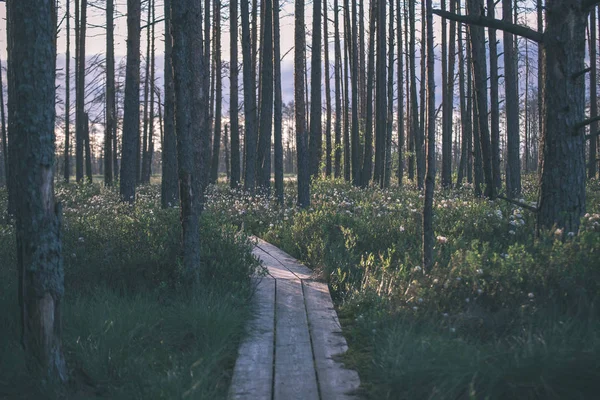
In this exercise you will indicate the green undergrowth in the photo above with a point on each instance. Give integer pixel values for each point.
(503, 314)
(131, 329)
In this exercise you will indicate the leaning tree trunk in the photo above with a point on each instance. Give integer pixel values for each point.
(301, 134)
(169, 186)
(32, 52)
(131, 117)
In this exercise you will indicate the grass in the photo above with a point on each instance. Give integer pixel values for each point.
(130, 329)
(504, 314)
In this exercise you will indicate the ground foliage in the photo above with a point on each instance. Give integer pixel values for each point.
(504, 313)
(132, 329)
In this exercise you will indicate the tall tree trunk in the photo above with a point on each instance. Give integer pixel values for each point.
(250, 137)
(131, 113)
(380, 95)
(356, 167)
(414, 109)
(152, 95)
(87, 147)
(4, 166)
(80, 95)
(31, 36)
(410, 65)
(400, 172)
(337, 164)
(446, 111)
(540, 76)
(315, 144)
(478, 56)
(465, 114)
(169, 184)
(592, 162)
(214, 169)
(266, 108)
(110, 129)
(420, 149)
(278, 104)
(301, 134)
(233, 94)
(494, 107)
(328, 143)
(513, 164)
(562, 191)
(428, 234)
(347, 41)
(367, 166)
(67, 155)
(390, 102)
(191, 126)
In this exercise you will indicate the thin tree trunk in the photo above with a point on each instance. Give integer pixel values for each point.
(465, 115)
(131, 113)
(250, 138)
(328, 143)
(87, 147)
(428, 234)
(143, 155)
(80, 97)
(494, 107)
(278, 103)
(446, 110)
(356, 167)
(337, 164)
(592, 162)
(67, 156)
(367, 166)
(169, 184)
(513, 163)
(400, 172)
(266, 108)
(346, 107)
(31, 36)
(390, 102)
(301, 134)
(380, 95)
(4, 177)
(110, 128)
(420, 149)
(315, 144)
(233, 94)
(151, 94)
(214, 170)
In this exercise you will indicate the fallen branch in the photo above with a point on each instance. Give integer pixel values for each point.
(519, 203)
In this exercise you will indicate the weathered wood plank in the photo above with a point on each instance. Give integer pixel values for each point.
(284, 258)
(335, 382)
(253, 372)
(295, 376)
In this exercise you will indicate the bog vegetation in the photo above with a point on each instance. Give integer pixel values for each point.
(131, 330)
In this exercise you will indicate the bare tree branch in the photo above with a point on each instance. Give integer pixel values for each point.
(519, 203)
(494, 24)
(585, 123)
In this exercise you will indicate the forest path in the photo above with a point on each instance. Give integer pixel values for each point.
(293, 339)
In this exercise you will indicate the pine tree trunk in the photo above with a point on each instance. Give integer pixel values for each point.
(266, 109)
(380, 95)
(4, 159)
(31, 36)
(152, 94)
(446, 111)
(191, 126)
(214, 169)
(250, 137)
(356, 166)
(513, 163)
(428, 233)
(367, 166)
(87, 147)
(328, 143)
(400, 172)
(494, 107)
(315, 144)
(80, 95)
(420, 149)
(131, 113)
(337, 164)
(346, 107)
(592, 162)
(169, 184)
(110, 129)
(465, 115)
(67, 155)
(278, 105)
(390, 102)
(301, 134)
(233, 94)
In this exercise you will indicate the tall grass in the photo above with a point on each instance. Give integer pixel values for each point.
(130, 329)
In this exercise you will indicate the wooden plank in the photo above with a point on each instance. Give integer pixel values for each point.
(301, 271)
(295, 376)
(253, 372)
(275, 268)
(335, 382)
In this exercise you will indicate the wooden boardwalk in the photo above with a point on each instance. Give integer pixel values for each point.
(294, 338)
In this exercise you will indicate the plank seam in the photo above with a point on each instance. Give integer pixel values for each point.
(310, 336)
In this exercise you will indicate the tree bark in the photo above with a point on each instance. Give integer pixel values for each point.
(380, 95)
(266, 109)
(250, 137)
(31, 37)
(110, 129)
(367, 166)
(80, 95)
(337, 164)
(131, 117)
(214, 169)
(400, 171)
(315, 144)
(233, 95)
(356, 166)
(390, 102)
(328, 143)
(278, 105)
(513, 163)
(67, 155)
(169, 184)
(494, 107)
(301, 134)
(592, 162)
